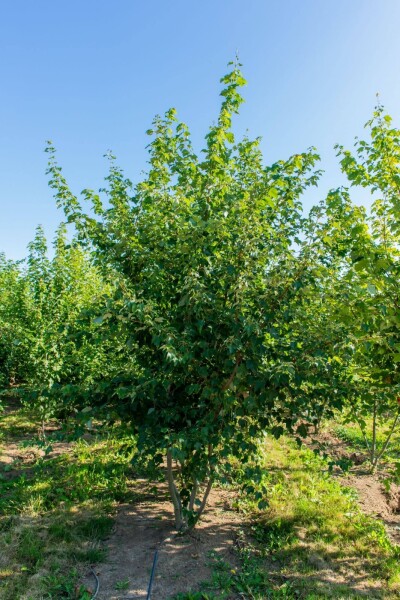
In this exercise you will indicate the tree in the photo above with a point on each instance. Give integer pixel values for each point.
(44, 341)
(371, 284)
(60, 289)
(205, 252)
(12, 302)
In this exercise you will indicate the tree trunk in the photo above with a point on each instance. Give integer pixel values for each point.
(180, 522)
(373, 445)
(186, 517)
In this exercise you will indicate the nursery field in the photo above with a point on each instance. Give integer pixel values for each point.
(200, 383)
(69, 509)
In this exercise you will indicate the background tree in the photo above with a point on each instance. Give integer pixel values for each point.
(371, 285)
(13, 298)
(317, 345)
(46, 342)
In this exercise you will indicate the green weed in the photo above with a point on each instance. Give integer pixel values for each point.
(65, 586)
(56, 512)
(122, 585)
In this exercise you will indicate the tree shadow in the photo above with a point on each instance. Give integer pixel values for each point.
(184, 561)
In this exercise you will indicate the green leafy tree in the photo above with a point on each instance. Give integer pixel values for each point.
(370, 290)
(317, 342)
(13, 298)
(205, 248)
(45, 341)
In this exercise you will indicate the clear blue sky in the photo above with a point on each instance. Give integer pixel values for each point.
(90, 75)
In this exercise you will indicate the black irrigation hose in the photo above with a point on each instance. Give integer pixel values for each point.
(152, 575)
(97, 584)
(153, 570)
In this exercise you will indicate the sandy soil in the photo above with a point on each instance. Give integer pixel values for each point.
(183, 561)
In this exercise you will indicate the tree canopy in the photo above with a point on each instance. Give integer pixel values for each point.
(202, 306)
(213, 258)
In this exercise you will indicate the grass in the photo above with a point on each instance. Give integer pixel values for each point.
(122, 585)
(313, 529)
(311, 542)
(352, 435)
(44, 558)
(55, 512)
(98, 471)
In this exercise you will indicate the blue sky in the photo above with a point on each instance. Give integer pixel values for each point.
(90, 76)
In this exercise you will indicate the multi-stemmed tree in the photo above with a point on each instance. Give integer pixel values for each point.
(206, 249)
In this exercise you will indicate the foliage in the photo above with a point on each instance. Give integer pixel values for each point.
(370, 287)
(46, 340)
(206, 249)
(12, 298)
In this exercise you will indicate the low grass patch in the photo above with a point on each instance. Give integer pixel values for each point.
(56, 512)
(351, 434)
(314, 532)
(38, 561)
(17, 421)
(311, 542)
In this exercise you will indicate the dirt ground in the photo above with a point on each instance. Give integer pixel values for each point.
(374, 501)
(183, 561)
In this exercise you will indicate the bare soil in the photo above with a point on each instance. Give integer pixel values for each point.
(14, 454)
(183, 560)
(183, 564)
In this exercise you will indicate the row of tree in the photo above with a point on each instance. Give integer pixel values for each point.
(202, 307)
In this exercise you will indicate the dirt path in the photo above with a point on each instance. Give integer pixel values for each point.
(13, 455)
(183, 561)
(374, 501)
